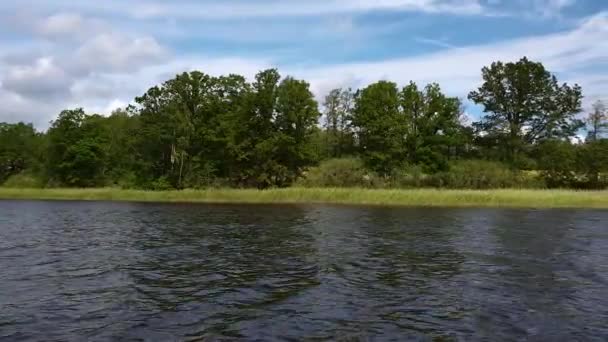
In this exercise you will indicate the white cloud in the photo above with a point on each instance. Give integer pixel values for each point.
(109, 68)
(113, 52)
(552, 8)
(17, 108)
(61, 24)
(249, 9)
(274, 8)
(43, 79)
(457, 70)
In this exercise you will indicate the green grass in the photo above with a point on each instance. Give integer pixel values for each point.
(417, 197)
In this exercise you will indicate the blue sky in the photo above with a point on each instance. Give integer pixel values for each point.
(57, 54)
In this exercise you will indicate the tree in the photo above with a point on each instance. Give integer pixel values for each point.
(380, 127)
(19, 149)
(597, 122)
(181, 127)
(593, 162)
(338, 113)
(76, 151)
(557, 161)
(121, 151)
(297, 114)
(433, 125)
(524, 104)
(255, 140)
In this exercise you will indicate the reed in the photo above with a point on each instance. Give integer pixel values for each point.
(513, 198)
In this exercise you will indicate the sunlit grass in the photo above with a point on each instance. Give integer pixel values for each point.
(414, 197)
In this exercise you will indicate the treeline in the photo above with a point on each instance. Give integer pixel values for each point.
(197, 131)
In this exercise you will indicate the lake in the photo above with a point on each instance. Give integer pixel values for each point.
(98, 271)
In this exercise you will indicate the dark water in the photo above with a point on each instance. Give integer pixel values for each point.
(119, 272)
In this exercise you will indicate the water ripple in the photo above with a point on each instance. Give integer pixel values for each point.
(75, 271)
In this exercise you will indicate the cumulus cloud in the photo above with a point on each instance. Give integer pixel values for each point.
(61, 24)
(44, 79)
(117, 53)
(458, 69)
(250, 9)
(79, 60)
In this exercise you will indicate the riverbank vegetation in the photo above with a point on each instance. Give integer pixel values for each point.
(197, 131)
(506, 198)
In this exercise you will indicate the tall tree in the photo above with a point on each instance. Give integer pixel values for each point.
(524, 104)
(433, 125)
(381, 127)
(297, 114)
(19, 149)
(338, 107)
(255, 142)
(597, 122)
(180, 124)
(76, 151)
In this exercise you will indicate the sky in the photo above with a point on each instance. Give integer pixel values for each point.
(99, 55)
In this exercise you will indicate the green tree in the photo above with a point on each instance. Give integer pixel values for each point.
(122, 129)
(381, 129)
(593, 162)
(433, 125)
(181, 127)
(338, 113)
(76, 150)
(597, 122)
(256, 143)
(557, 161)
(19, 149)
(524, 104)
(297, 114)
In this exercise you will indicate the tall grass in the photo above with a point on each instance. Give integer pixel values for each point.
(355, 196)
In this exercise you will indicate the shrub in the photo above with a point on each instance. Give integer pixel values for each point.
(557, 160)
(409, 177)
(343, 172)
(479, 174)
(160, 184)
(24, 180)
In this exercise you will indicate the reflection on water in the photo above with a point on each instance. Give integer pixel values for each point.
(114, 271)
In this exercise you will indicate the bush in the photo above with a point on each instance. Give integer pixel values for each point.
(343, 172)
(557, 160)
(161, 184)
(479, 174)
(24, 180)
(409, 177)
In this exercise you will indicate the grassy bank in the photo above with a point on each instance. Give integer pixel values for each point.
(416, 197)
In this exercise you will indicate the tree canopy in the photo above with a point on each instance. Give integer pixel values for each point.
(197, 130)
(524, 105)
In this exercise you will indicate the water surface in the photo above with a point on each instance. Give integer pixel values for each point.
(96, 271)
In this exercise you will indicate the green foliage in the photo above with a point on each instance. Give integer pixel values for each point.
(20, 148)
(296, 115)
(380, 126)
(161, 184)
(410, 177)
(432, 122)
(342, 172)
(597, 122)
(557, 161)
(201, 131)
(592, 164)
(339, 105)
(23, 180)
(480, 174)
(506, 198)
(408, 127)
(77, 150)
(524, 105)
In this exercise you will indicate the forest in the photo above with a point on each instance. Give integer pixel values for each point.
(200, 131)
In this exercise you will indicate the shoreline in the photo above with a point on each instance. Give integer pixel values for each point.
(508, 198)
